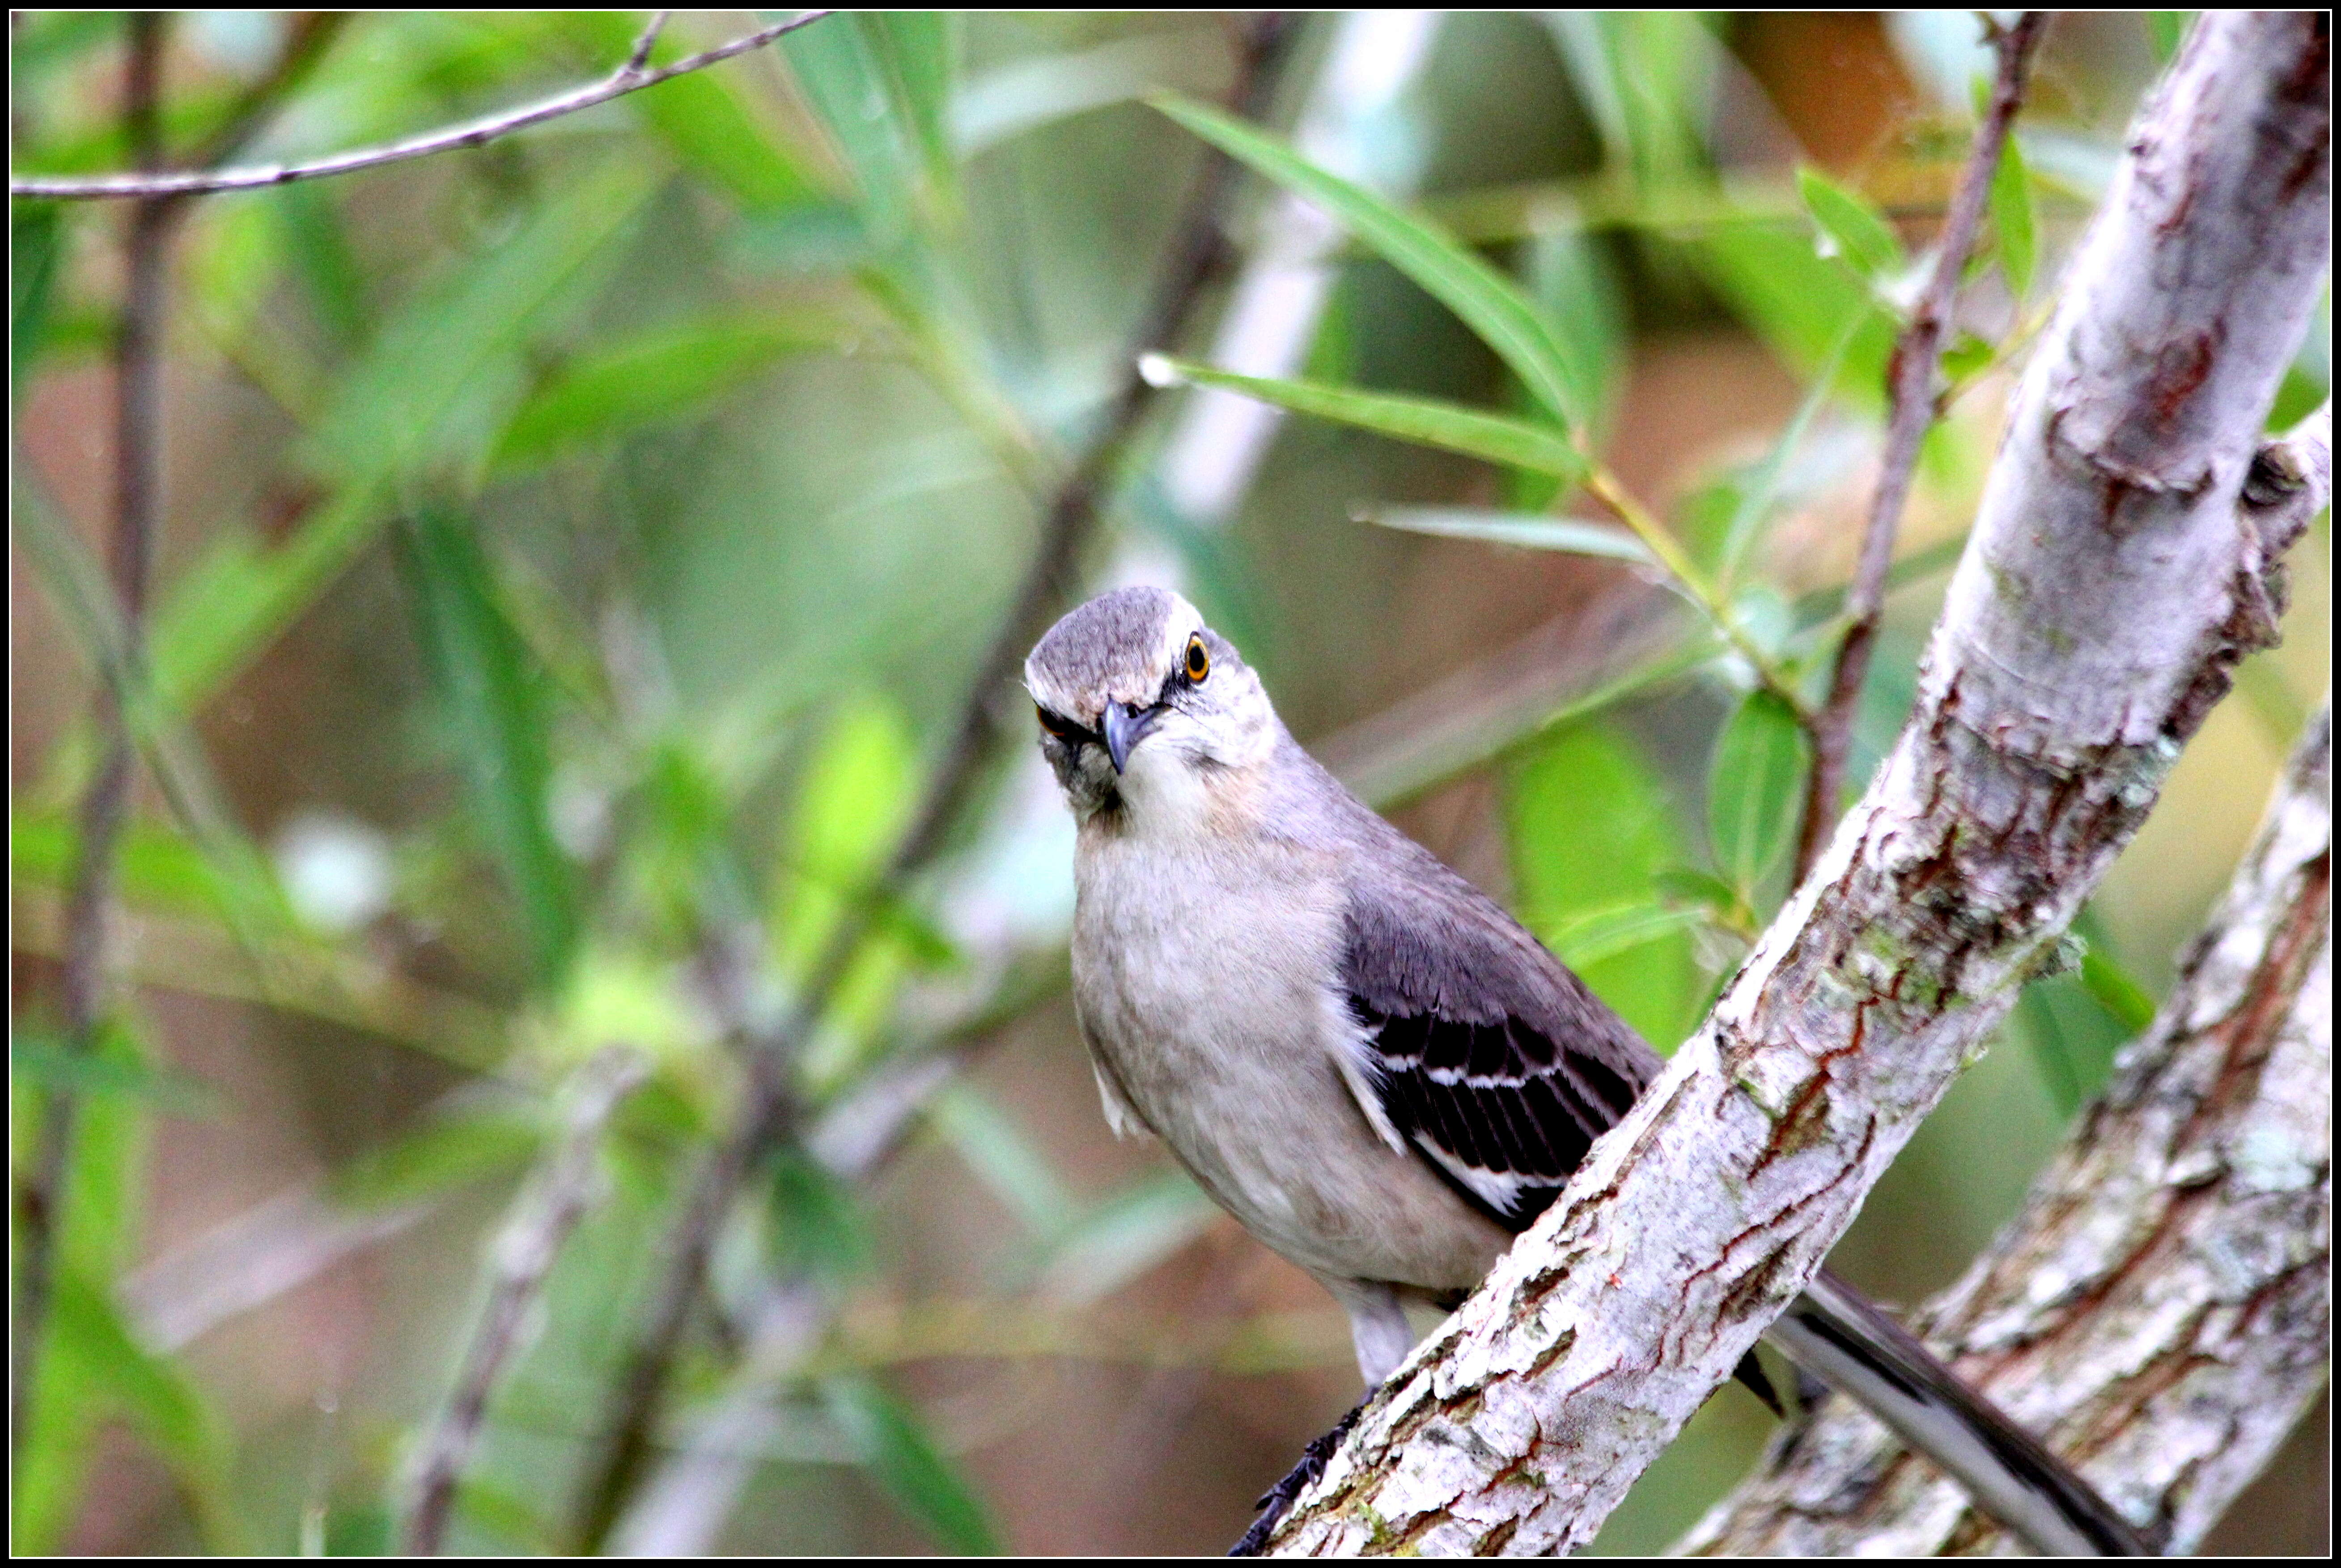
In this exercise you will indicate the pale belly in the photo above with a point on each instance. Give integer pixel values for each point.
(1202, 986)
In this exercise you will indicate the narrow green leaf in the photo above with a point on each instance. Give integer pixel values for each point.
(1691, 888)
(850, 88)
(491, 695)
(1754, 509)
(815, 1225)
(2165, 31)
(439, 1156)
(2108, 981)
(1528, 531)
(1799, 304)
(917, 48)
(93, 1371)
(1851, 228)
(318, 247)
(705, 119)
(434, 381)
(1426, 421)
(666, 373)
(36, 236)
(1752, 789)
(2012, 217)
(1489, 303)
(1590, 828)
(1004, 1158)
(1124, 1236)
(1644, 78)
(36, 1059)
(1602, 934)
(905, 1461)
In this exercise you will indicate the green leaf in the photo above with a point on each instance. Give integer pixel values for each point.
(2165, 31)
(2012, 218)
(442, 1155)
(1591, 828)
(93, 1371)
(815, 1225)
(1644, 78)
(1426, 421)
(904, 1460)
(1528, 531)
(665, 373)
(1127, 1235)
(1489, 303)
(435, 379)
(1004, 1158)
(491, 697)
(853, 803)
(1578, 291)
(1799, 304)
(1601, 933)
(36, 1058)
(1688, 887)
(437, 375)
(1754, 509)
(36, 244)
(1851, 228)
(917, 48)
(849, 79)
(703, 117)
(2103, 975)
(1968, 356)
(318, 247)
(1753, 784)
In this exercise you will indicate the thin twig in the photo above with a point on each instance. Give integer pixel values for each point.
(541, 1222)
(648, 41)
(137, 497)
(772, 1112)
(1911, 392)
(629, 77)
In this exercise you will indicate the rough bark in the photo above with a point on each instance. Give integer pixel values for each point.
(2162, 1307)
(2110, 586)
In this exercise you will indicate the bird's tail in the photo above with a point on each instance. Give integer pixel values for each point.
(1850, 1342)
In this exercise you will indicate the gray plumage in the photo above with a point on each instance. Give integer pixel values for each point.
(1358, 1054)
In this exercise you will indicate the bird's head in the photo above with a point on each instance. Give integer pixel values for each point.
(1144, 708)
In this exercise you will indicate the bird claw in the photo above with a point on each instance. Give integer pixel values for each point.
(1277, 1500)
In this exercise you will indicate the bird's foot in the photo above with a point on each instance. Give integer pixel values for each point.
(1277, 1499)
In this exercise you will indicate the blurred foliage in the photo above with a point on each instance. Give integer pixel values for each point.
(577, 552)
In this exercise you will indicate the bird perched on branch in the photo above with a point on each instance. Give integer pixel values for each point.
(1360, 1055)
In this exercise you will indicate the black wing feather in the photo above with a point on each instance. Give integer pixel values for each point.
(1489, 1052)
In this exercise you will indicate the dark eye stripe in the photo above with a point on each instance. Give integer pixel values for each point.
(1065, 729)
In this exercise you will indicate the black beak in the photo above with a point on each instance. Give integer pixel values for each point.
(1125, 725)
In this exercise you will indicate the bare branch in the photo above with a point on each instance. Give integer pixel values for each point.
(640, 54)
(2105, 595)
(772, 1112)
(2162, 1306)
(541, 1221)
(1911, 396)
(138, 507)
(629, 77)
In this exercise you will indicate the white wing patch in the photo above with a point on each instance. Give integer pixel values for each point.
(1359, 1065)
(1500, 1190)
(1118, 1114)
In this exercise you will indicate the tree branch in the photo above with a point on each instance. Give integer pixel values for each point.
(2107, 592)
(771, 1111)
(632, 76)
(524, 1256)
(1911, 382)
(2162, 1306)
(130, 553)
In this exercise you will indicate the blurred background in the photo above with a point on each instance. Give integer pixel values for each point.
(576, 553)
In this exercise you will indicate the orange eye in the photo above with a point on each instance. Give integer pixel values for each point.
(1198, 659)
(1051, 723)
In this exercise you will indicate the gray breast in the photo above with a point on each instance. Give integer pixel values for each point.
(1207, 980)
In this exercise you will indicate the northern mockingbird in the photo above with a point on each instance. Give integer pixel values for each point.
(1360, 1055)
